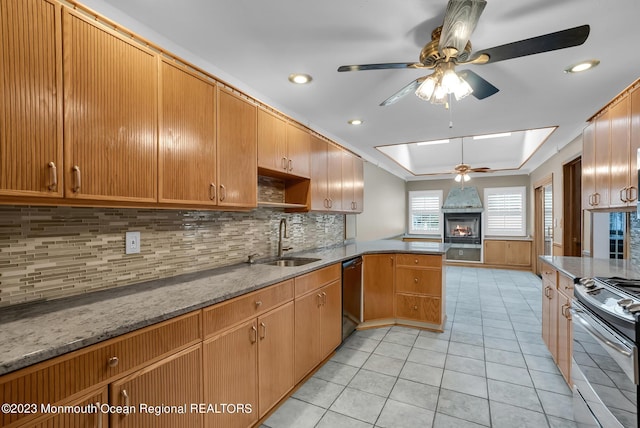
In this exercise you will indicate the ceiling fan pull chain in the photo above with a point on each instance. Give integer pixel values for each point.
(449, 106)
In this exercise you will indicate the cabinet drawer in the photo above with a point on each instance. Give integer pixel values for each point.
(421, 281)
(416, 260)
(565, 284)
(316, 279)
(419, 308)
(54, 380)
(226, 314)
(549, 274)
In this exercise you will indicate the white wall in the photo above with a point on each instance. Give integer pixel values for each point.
(385, 212)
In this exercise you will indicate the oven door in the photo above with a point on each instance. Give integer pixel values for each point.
(604, 373)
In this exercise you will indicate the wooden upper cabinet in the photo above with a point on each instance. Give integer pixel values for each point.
(237, 151)
(334, 177)
(272, 143)
(634, 145)
(187, 158)
(352, 183)
(602, 156)
(588, 166)
(30, 98)
(319, 178)
(619, 134)
(298, 151)
(110, 111)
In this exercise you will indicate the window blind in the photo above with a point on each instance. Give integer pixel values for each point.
(505, 211)
(424, 212)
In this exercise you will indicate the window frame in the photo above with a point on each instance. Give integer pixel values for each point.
(426, 193)
(511, 190)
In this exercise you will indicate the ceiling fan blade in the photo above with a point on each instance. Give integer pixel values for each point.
(459, 22)
(481, 169)
(411, 87)
(481, 88)
(535, 45)
(383, 66)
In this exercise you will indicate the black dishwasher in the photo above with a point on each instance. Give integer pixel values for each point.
(351, 295)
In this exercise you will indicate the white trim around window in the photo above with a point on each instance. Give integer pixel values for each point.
(505, 211)
(425, 214)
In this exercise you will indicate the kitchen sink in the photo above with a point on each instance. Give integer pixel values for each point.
(291, 261)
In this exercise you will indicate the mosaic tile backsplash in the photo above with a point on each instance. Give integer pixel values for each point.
(51, 252)
(635, 239)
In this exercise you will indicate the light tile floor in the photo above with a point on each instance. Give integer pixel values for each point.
(489, 368)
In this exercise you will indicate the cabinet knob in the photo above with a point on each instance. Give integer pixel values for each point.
(415, 280)
(113, 362)
(258, 303)
(415, 307)
(416, 261)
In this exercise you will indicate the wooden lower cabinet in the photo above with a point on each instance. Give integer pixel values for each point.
(318, 327)
(175, 381)
(230, 372)
(557, 329)
(418, 308)
(378, 289)
(419, 282)
(275, 356)
(510, 253)
(78, 420)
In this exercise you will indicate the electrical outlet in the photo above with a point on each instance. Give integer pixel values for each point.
(132, 242)
(461, 252)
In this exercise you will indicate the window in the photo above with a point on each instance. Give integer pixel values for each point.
(505, 211)
(425, 216)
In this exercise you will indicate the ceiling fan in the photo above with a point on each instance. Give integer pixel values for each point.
(462, 170)
(450, 46)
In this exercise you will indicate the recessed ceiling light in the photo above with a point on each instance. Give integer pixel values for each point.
(299, 78)
(431, 143)
(582, 66)
(356, 122)
(486, 136)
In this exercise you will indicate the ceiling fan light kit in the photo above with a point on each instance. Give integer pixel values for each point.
(450, 46)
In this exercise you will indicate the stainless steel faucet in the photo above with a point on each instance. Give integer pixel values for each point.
(282, 249)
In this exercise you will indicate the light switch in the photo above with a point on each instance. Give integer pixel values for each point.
(132, 243)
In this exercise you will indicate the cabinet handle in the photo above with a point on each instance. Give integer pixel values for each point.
(319, 296)
(53, 177)
(415, 280)
(324, 298)
(283, 163)
(290, 165)
(330, 203)
(565, 312)
(223, 192)
(258, 303)
(415, 307)
(326, 203)
(212, 191)
(253, 334)
(633, 194)
(126, 398)
(113, 362)
(77, 179)
(596, 197)
(416, 261)
(624, 198)
(264, 330)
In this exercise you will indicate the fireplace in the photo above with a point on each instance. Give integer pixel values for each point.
(462, 228)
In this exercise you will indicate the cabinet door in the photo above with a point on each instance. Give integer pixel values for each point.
(419, 308)
(30, 98)
(331, 322)
(358, 184)
(319, 177)
(495, 252)
(174, 381)
(272, 143)
(518, 253)
(187, 161)
(230, 372)
(334, 177)
(110, 111)
(602, 160)
(634, 144)
(565, 336)
(307, 333)
(237, 151)
(298, 151)
(588, 166)
(378, 286)
(348, 184)
(620, 150)
(275, 356)
(76, 420)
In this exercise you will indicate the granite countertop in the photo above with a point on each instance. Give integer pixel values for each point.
(36, 332)
(580, 267)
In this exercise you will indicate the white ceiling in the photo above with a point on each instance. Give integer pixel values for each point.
(255, 45)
